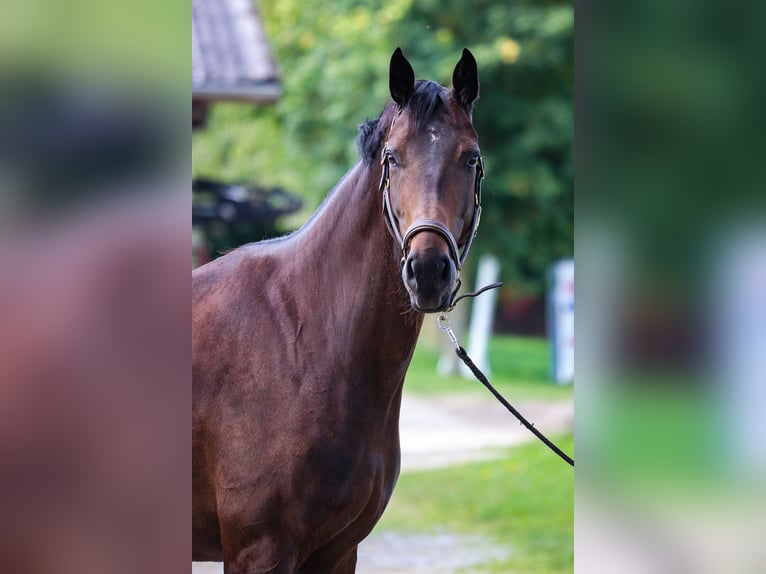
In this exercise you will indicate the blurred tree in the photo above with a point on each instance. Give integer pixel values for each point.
(334, 61)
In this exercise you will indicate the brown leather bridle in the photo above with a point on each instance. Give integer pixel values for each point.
(428, 224)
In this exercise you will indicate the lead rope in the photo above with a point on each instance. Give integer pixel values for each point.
(444, 324)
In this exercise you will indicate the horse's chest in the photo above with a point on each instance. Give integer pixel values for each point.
(349, 503)
(350, 480)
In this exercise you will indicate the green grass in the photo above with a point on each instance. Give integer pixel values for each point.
(520, 369)
(523, 502)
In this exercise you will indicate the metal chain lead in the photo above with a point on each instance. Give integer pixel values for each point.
(444, 325)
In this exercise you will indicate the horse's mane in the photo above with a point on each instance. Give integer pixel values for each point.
(424, 101)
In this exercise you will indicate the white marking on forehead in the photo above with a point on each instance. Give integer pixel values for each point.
(433, 134)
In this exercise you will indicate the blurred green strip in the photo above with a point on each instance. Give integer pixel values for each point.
(142, 40)
(660, 437)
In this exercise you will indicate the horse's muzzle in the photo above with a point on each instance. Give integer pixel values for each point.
(429, 276)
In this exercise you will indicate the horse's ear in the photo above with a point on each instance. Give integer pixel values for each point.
(465, 81)
(401, 78)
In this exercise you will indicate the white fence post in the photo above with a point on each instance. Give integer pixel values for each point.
(482, 316)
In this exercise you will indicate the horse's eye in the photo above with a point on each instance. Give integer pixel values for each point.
(474, 161)
(391, 159)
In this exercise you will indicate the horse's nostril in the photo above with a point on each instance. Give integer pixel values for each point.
(430, 271)
(409, 270)
(445, 271)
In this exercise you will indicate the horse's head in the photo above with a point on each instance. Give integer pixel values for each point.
(431, 179)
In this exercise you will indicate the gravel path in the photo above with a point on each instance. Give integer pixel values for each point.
(396, 553)
(448, 430)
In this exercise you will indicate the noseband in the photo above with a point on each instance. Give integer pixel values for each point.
(428, 224)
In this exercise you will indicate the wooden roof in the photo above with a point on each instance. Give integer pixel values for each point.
(231, 59)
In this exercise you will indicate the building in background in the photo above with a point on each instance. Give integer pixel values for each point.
(231, 59)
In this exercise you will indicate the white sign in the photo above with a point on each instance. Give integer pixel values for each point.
(740, 336)
(561, 320)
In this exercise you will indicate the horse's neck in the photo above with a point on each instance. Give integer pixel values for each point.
(359, 269)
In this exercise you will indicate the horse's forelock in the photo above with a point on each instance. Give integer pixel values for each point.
(425, 100)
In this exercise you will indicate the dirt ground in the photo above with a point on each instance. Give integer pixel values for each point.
(452, 429)
(396, 553)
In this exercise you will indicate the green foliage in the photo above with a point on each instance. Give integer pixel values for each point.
(334, 61)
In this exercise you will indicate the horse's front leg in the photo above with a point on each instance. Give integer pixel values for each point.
(323, 563)
(263, 557)
(347, 564)
(258, 548)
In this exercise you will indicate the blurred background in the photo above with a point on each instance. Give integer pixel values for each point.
(671, 353)
(94, 288)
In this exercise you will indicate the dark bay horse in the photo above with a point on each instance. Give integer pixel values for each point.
(300, 345)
